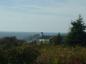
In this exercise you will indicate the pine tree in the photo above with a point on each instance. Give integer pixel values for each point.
(77, 35)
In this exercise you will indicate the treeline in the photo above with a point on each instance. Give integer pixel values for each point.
(76, 36)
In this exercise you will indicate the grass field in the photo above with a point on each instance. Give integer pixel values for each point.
(61, 55)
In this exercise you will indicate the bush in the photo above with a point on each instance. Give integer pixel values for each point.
(18, 55)
(56, 40)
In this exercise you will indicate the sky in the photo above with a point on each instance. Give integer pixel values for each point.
(40, 15)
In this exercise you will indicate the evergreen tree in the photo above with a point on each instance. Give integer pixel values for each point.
(77, 34)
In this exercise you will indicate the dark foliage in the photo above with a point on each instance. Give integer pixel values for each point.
(77, 35)
(13, 51)
(10, 42)
(56, 39)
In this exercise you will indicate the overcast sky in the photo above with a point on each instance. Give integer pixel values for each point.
(40, 15)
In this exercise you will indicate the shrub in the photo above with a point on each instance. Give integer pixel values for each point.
(18, 55)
